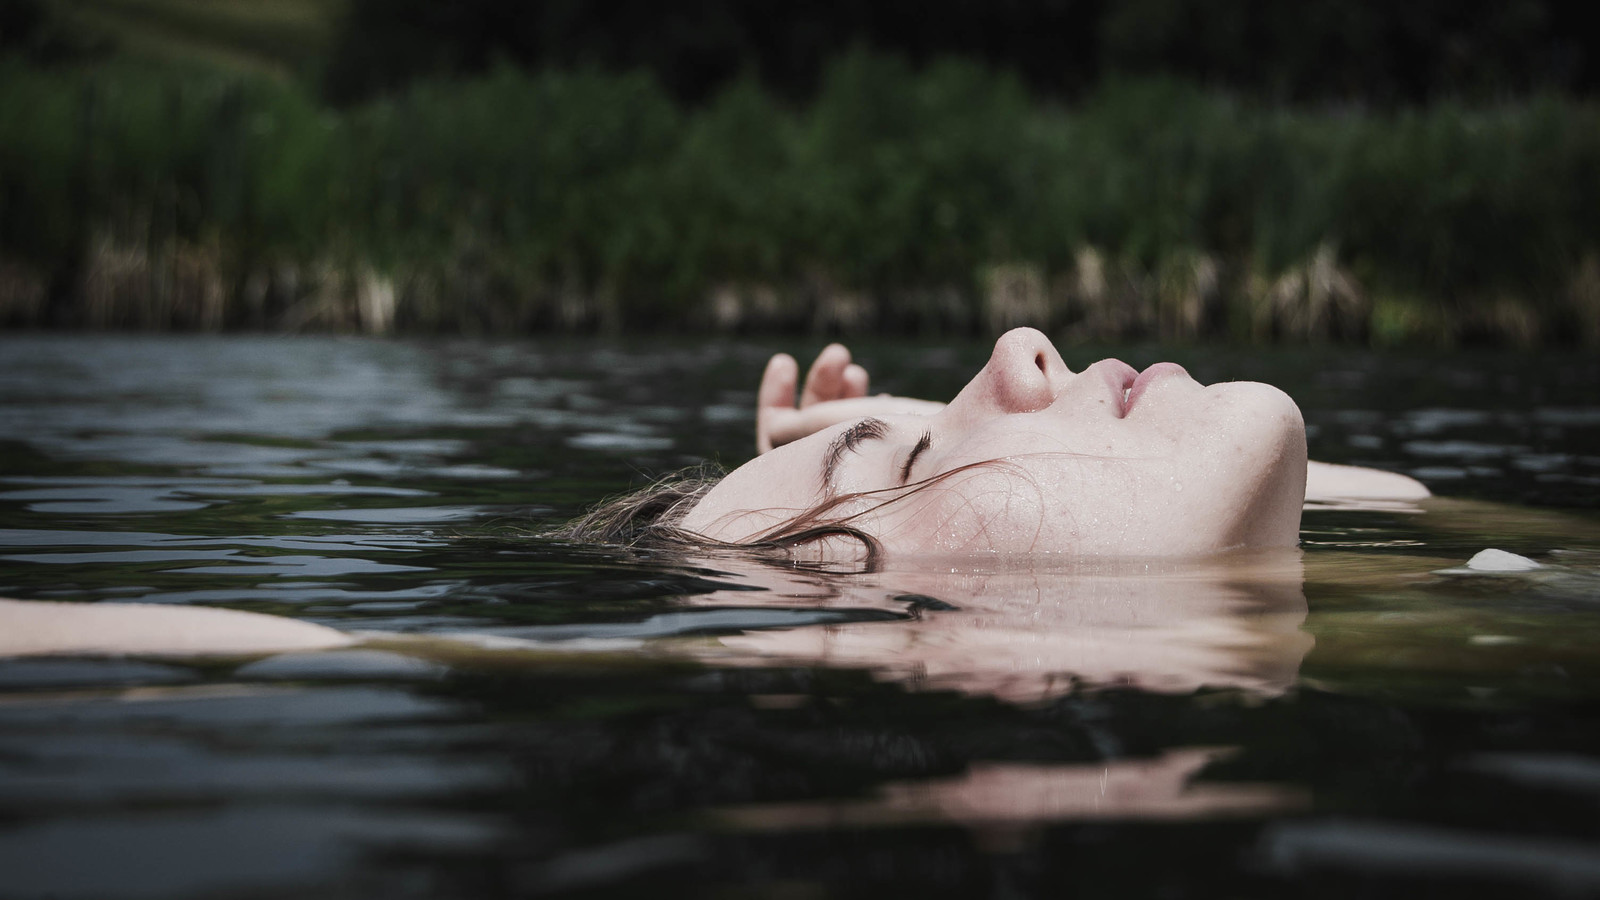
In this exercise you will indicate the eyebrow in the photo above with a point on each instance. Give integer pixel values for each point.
(922, 444)
(868, 429)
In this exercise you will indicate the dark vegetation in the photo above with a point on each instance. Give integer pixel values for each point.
(1312, 50)
(1394, 173)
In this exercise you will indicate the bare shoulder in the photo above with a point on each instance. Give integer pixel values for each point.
(1329, 482)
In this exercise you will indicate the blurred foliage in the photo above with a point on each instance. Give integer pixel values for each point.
(696, 48)
(1108, 168)
(901, 196)
(1344, 50)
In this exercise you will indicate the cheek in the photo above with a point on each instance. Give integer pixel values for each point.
(1229, 471)
(1196, 503)
(1082, 506)
(1254, 432)
(1250, 471)
(985, 510)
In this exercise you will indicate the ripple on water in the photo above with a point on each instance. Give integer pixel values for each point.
(393, 515)
(980, 701)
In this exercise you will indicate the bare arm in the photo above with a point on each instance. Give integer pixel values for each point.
(1326, 482)
(31, 628)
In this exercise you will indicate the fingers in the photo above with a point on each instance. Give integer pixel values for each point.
(778, 382)
(832, 377)
(774, 398)
(855, 382)
(826, 380)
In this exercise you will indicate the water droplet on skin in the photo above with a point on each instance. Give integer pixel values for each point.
(1177, 485)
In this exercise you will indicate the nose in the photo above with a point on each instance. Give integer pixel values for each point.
(1024, 372)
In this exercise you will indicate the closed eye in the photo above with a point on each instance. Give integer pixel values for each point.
(865, 430)
(922, 444)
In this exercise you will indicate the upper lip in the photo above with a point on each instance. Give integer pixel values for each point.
(1120, 378)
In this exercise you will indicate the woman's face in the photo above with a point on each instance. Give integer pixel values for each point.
(1107, 461)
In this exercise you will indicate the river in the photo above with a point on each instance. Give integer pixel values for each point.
(1370, 714)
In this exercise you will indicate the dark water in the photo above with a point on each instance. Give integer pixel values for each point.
(527, 718)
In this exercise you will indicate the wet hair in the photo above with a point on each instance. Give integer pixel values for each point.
(647, 518)
(651, 518)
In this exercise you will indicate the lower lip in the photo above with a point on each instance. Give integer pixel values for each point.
(1148, 377)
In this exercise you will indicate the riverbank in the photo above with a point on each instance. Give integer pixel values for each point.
(941, 200)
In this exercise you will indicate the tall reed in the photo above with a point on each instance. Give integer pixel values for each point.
(945, 198)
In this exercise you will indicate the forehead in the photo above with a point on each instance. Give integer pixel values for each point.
(766, 491)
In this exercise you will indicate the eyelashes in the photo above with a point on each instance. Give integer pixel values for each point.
(864, 430)
(922, 444)
(850, 439)
(853, 437)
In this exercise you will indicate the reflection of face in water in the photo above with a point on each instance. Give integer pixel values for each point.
(1026, 633)
(1029, 632)
(1001, 799)
(1031, 457)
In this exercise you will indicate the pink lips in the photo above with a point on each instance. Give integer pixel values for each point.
(1148, 377)
(1118, 376)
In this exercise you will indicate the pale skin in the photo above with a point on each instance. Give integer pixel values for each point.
(1106, 461)
(1025, 630)
(1102, 462)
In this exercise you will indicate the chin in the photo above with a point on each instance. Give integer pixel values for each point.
(1267, 512)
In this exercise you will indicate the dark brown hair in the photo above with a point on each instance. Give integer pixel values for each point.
(648, 517)
(651, 517)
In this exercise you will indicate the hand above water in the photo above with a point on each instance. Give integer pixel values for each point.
(835, 391)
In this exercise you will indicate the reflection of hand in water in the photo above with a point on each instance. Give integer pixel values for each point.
(1029, 631)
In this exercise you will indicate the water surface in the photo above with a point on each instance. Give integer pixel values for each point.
(527, 718)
